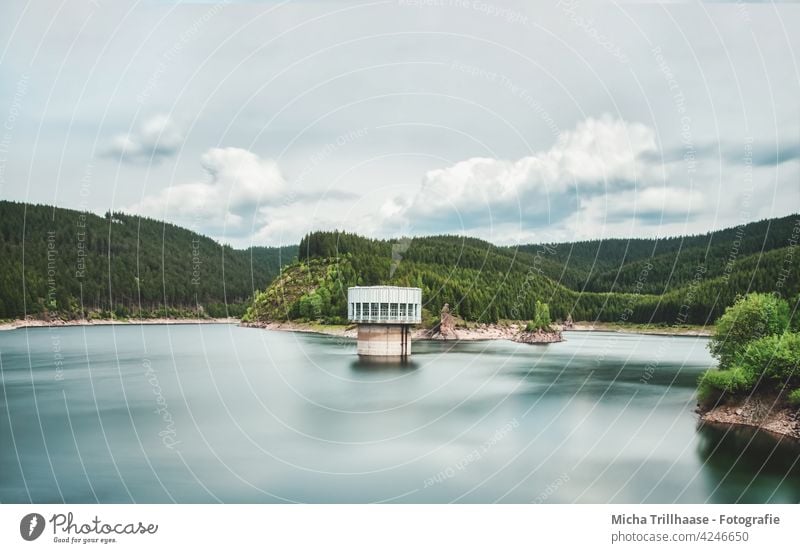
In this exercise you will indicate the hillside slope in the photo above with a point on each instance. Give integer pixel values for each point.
(675, 281)
(66, 263)
(479, 281)
(78, 263)
(613, 265)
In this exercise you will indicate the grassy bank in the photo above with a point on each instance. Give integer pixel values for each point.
(637, 328)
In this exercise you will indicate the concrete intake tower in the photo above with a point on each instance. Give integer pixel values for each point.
(384, 315)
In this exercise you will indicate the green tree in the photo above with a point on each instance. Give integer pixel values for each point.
(751, 317)
(541, 319)
(775, 358)
(756, 349)
(311, 306)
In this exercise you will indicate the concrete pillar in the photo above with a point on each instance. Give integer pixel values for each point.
(384, 340)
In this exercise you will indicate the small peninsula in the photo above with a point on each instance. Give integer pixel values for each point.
(757, 382)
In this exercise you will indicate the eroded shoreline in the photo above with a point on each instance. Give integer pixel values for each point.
(761, 412)
(480, 332)
(477, 332)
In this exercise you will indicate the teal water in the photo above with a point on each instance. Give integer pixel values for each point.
(207, 413)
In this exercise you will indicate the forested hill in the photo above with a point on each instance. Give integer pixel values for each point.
(66, 263)
(613, 265)
(671, 281)
(77, 263)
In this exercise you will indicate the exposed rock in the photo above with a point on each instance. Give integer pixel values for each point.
(446, 329)
(539, 337)
(765, 412)
(515, 332)
(350, 331)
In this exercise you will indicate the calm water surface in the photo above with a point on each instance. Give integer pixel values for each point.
(212, 413)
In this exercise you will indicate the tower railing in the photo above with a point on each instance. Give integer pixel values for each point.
(386, 319)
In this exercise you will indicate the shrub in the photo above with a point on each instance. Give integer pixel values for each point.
(750, 318)
(541, 318)
(713, 383)
(776, 357)
(311, 306)
(794, 307)
(794, 397)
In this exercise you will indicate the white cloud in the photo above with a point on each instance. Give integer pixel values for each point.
(642, 207)
(155, 139)
(605, 177)
(598, 156)
(667, 201)
(364, 82)
(232, 201)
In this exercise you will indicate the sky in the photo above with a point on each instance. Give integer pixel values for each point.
(517, 122)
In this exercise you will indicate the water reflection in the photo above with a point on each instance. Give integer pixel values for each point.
(383, 364)
(748, 465)
(258, 416)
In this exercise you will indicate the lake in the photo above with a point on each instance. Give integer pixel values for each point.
(219, 413)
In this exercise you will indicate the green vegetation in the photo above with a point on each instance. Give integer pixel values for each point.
(757, 351)
(752, 317)
(669, 283)
(728, 256)
(541, 318)
(775, 357)
(71, 264)
(481, 282)
(311, 290)
(715, 382)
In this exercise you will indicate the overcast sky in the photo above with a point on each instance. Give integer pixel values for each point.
(255, 122)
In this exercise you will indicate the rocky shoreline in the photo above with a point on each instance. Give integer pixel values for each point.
(448, 330)
(291, 326)
(512, 332)
(484, 331)
(762, 412)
